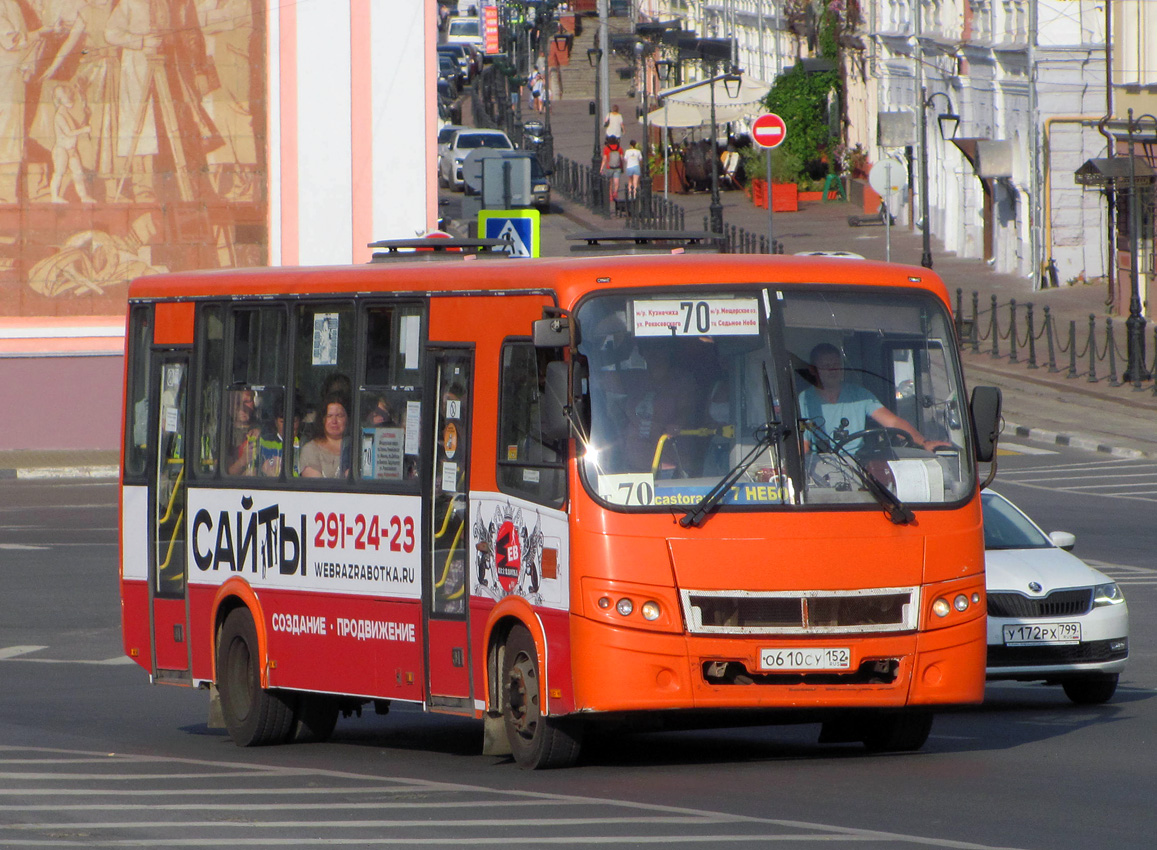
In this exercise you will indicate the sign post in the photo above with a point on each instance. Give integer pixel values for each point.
(769, 131)
(887, 179)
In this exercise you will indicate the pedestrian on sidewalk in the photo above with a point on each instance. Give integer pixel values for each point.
(633, 162)
(613, 164)
(536, 84)
(613, 123)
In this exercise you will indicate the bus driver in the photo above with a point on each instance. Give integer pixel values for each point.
(837, 406)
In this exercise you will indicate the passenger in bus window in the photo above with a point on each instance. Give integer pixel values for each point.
(328, 454)
(272, 444)
(843, 410)
(660, 399)
(245, 432)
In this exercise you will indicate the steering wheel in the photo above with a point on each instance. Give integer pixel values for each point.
(880, 437)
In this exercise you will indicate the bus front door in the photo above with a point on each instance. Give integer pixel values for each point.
(447, 627)
(167, 521)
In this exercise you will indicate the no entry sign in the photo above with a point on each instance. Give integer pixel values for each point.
(768, 130)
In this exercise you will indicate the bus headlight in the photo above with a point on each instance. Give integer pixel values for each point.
(941, 608)
(960, 602)
(625, 604)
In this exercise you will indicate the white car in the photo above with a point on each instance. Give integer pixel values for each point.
(464, 141)
(445, 137)
(465, 30)
(1051, 616)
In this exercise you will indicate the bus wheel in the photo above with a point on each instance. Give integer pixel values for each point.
(315, 719)
(897, 731)
(254, 716)
(536, 740)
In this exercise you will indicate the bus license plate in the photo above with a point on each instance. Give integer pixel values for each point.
(805, 658)
(1026, 634)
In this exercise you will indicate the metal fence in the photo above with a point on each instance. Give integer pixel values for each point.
(1011, 331)
(587, 187)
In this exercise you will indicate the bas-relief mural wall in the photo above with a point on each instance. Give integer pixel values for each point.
(132, 140)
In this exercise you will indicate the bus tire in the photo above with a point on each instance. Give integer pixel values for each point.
(315, 719)
(536, 741)
(897, 731)
(253, 715)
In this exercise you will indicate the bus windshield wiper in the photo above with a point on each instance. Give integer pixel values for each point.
(766, 434)
(894, 509)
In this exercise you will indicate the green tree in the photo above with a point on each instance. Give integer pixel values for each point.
(801, 100)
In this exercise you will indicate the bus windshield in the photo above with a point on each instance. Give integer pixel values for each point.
(823, 397)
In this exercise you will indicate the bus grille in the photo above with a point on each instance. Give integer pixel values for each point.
(801, 612)
(1059, 603)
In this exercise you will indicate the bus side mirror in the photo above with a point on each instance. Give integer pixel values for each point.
(555, 425)
(553, 332)
(985, 406)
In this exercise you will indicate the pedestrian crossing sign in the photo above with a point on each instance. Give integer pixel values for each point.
(519, 227)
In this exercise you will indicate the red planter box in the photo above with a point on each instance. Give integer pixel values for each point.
(784, 196)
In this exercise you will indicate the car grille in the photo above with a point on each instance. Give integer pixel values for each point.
(1091, 652)
(1059, 603)
(801, 612)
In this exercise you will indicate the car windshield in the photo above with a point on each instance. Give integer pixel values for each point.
(483, 140)
(683, 386)
(463, 28)
(1005, 527)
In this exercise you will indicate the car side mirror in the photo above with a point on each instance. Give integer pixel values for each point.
(1063, 540)
(985, 407)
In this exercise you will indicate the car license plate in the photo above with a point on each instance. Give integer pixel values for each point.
(1027, 634)
(805, 658)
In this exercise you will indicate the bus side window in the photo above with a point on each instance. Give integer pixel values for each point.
(323, 363)
(255, 400)
(529, 464)
(211, 351)
(137, 415)
(390, 395)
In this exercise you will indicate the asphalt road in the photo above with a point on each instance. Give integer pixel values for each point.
(92, 755)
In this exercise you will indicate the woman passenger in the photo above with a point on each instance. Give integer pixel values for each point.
(328, 454)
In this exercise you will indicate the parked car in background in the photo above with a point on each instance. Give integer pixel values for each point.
(460, 55)
(464, 141)
(539, 186)
(464, 30)
(1051, 617)
(450, 77)
(445, 137)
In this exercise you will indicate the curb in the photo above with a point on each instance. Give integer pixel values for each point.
(47, 473)
(1076, 441)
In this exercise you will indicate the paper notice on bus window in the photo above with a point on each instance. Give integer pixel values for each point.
(411, 340)
(325, 339)
(697, 317)
(449, 477)
(413, 426)
(171, 418)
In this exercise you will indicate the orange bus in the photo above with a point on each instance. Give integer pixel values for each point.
(552, 494)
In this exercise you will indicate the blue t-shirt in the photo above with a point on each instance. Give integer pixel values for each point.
(854, 404)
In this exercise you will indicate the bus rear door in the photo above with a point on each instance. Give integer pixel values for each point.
(168, 575)
(447, 627)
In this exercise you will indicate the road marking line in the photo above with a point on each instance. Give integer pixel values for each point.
(13, 651)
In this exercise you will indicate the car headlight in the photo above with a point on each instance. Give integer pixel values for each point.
(1107, 594)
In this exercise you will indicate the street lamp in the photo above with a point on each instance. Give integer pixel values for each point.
(595, 57)
(731, 82)
(1135, 372)
(948, 121)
